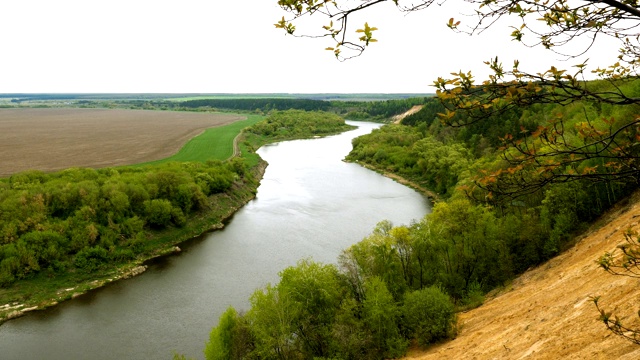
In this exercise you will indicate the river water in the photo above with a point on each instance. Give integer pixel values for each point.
(309, 204)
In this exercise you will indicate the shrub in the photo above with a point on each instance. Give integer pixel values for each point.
(91, 259)
(158, 212)
(429, 315)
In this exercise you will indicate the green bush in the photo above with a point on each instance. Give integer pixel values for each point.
(221, 337)
(91, 259)
(158, 212)
(428, 315)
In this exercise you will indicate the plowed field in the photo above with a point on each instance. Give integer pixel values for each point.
(55, 139)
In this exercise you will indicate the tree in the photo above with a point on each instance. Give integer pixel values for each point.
(429, 315)
(316, 293)
(272, 317)
(625, 263)
(555, 152)
(158, 212)
(220, 344)
(294, 318)
(380, 316)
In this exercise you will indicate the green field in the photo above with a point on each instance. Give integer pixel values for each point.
(213, 144)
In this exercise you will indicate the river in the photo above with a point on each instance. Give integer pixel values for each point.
(309, 204)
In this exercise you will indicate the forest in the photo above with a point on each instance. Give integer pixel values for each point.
(403, 285)
(85, 219)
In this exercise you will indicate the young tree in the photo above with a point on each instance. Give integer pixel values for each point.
(380, 316)
(220, 344)
(624, 263)
(294, 318)
(429, 315)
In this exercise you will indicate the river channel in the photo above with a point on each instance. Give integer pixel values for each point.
(309, 204)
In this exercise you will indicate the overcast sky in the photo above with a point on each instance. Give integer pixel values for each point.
(215, 46)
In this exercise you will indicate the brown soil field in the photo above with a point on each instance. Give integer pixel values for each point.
(547, 314)
(56, 138)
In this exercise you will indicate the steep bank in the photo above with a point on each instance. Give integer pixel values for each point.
(546, 313)
(397, 119)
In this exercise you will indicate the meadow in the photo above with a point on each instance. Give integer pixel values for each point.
(215, 143)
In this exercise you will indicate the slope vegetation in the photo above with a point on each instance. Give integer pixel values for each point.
(546, 313)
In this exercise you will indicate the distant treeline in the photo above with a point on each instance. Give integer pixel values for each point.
(376, 110)
(372, 107)
(162, 96)
(259, 104)
(354, 110)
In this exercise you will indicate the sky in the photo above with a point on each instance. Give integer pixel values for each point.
(215, 46)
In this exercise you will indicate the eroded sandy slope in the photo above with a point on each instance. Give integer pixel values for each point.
(547, 314)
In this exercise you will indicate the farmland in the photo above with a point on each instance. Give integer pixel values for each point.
(55, 139)
(213, 144)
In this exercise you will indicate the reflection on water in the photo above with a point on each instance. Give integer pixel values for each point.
(309, 204)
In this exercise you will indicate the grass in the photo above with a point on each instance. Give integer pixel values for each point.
(213, 144)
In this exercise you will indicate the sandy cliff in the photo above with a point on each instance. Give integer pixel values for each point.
(546, 313)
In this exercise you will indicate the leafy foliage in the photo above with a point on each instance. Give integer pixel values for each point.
(626, 262)
(467, 249)
(299, 124)
(84, 218)
(311, 313)
(220, 344)
(428, 315)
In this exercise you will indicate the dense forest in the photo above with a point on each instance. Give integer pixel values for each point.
(299, 124)
(79, 223)
(354, 110)
(84, 219)
(403, 284)
(264, 105)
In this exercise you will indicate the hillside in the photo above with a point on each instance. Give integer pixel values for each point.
(546, 313)
(398, 118)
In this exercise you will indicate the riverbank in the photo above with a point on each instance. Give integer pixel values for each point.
(47, 288)
(433, 196)
(42, 292)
